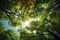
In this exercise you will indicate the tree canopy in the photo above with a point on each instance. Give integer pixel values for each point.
(43, 17)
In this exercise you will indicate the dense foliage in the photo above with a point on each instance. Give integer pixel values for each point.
(46, 27)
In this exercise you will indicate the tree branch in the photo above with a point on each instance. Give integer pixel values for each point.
(7, 14)
(54, 35)
(54, 5)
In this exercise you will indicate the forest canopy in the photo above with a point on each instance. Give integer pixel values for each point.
(37, 19)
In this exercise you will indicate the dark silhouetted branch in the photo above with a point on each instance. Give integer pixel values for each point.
(54, 35)
(7, 13)
(51, 33)
(54, 5)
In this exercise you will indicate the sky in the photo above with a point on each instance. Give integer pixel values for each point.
(24, 24)
(7, 26)
(5, 23)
